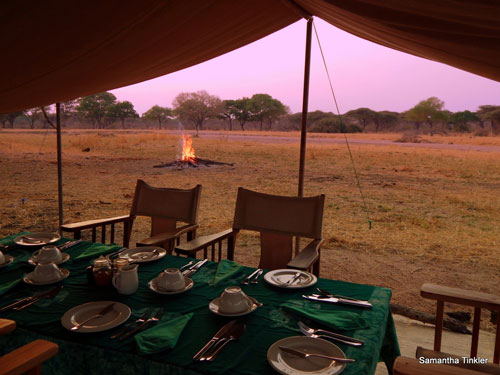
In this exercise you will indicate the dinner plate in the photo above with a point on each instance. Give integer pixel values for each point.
(289, 364)
(37, 239)
(118, 315)
(8, 260)
(280, 278)
(214, 307)
(155, 288)
(144, 254)
(65, 257)
(28, 279)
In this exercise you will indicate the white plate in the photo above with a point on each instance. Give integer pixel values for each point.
(118, 315)
(8, 260)
(39, 239)
(290, 364)
(144, 254)
(214, 307)
(28, 279)
(279, 278)
(155, 288)
(65, 257)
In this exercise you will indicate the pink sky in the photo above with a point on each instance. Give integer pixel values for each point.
(364, 74)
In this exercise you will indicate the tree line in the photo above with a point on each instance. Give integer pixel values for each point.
(261, 111)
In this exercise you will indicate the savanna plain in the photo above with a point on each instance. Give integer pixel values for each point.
(431, 215)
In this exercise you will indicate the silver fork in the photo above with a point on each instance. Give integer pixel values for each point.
(151, 320)
(317, 333)
(140, 320)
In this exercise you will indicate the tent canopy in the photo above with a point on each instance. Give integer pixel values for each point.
(57, 50)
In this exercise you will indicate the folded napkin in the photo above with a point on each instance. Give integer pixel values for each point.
(5, 287)
(95, 250)
(342, 320)
(225, 270)
(162, 336)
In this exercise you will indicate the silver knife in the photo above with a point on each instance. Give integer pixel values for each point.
(316, 297)
(220, 333)
(294, 278)
(54, 292)
(298, 353)
(69, 244)
(151, 320)
(247, 279)
(29, 299)
(191, 270)
(234, 334)
(328, 295)
(256, 278)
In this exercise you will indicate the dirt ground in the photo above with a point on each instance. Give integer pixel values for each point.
(100, 183)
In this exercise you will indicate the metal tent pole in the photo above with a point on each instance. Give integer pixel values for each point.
(59, 164)
(305, 105)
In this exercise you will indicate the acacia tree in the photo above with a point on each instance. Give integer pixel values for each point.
(384, 119)
(122, 111)
(197, 107)
(32, 115)
(264, 107)
(228, 112)
(461, 120)
(490, 113)
(157, 113)
(10, 118)
(428, 111)
(363, 115)
(242, 111)
(96, 107)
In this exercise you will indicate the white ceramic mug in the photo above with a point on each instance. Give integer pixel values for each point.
(233, 301)
(171, 280)
(2, 258)
(47, 254)
(125, 280)
(45, 272)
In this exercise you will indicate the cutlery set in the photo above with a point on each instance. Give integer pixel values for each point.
(28, 301)
(189, 271)
(253, 278)
(331, 298)
(140, 324)
(229, 332)
(301, 354)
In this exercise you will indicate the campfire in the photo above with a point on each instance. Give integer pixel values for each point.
(188, 157)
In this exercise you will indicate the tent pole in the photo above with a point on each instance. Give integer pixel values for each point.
(305, 104)
(59, 164)
(305, 108)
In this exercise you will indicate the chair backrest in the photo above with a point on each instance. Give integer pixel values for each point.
(165, 206)
(278, 219)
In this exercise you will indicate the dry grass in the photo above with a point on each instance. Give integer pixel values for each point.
(432, 209)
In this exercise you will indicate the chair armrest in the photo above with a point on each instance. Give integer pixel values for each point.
(75, 227)
(27, 357)
(461, 296)
(161, 238)
(7, 326)
(306, 258)
(412, 366)
(203, 242)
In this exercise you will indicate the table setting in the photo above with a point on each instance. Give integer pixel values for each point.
(170, 313)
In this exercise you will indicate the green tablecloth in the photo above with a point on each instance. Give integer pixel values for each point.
(97, 354)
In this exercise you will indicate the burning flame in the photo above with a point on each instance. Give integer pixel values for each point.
(187, 149)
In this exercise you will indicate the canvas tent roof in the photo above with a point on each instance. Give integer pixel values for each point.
(57, 50)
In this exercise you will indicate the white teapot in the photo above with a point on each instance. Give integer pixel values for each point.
(126, 280)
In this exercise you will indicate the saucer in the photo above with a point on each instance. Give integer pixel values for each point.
(36, 239)
(214, 307)
(8, 260)
(144, 254)
(289, 364)
(155, 288)
(65, 257)
(28, 279)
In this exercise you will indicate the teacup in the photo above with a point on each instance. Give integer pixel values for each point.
(2, 258)
(46, 272)
(171, 280)
(48, 254)
(233, 301)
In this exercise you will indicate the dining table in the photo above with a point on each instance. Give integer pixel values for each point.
(97, 353)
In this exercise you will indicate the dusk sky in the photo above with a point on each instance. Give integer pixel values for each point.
(364, 74)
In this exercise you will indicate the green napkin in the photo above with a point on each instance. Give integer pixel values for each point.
(8, 286)
(95, 250)
(343, 320)
(162, 336)
(225, 270)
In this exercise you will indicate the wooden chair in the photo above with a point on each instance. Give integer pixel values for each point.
(28, 358)
(477, 300)
(278, 219)
(165, 207)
